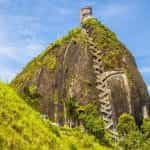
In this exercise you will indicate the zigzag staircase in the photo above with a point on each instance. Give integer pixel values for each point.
(101, 86)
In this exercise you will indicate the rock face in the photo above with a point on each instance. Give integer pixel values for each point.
(91, 65)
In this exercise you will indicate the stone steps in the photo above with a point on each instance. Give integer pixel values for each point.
(102, 95)
(110, 125)
(104, 102)
(106, 108)
(101, 86)
(107, 120)
(108, 115)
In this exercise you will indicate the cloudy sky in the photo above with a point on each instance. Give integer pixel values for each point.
(28, 26)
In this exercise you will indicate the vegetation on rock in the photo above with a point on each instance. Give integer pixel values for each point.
(130, 136)
(47, 58)
(126, 124)
(115, 53)
(107, 41)
(88, 116)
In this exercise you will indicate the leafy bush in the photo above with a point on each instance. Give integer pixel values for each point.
(72, 106)
(132, 141)
(131, 137)
(49, 62)
(91, 121)
(146, 128)
(73, 146)
(32, 89)
(126, 124)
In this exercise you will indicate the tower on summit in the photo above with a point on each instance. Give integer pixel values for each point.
(85, 13)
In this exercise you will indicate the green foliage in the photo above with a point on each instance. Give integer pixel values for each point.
(32, 89)
(88, 115)
(73, 146)
(91, 120)
(22, 128)
(107, 41)
(72, 106)
(86, 142)
(132, 141)
(126, 124)
(131, 138)
(146, 134)
(49, 62)
(146, 128)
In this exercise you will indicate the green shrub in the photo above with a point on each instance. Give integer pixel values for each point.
(72, 108)
(49, 62)
(73, 146)
(32, 89)
(132, 141)
(126, 124)
(92, 121)
(146, 128)
(131, 137)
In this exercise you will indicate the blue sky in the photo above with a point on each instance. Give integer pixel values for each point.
(28, 26)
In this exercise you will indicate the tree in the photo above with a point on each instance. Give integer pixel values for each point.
(126, 124)
(72, 106)
(146, 128)
(92, 121)
(132, 141)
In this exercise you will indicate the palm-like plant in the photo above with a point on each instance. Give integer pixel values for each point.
(72, 110)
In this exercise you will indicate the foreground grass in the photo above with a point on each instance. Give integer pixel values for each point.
(22, 128)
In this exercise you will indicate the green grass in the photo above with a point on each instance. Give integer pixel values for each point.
(22, 128)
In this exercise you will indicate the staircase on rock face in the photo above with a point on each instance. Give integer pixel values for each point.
(104, 93)
(102, 77)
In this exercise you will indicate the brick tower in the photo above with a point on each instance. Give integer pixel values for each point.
(85, 12)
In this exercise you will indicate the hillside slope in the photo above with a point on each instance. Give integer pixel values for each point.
(22, 128)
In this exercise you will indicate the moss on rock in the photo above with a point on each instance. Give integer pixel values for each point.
(107, 41)
(47, 58)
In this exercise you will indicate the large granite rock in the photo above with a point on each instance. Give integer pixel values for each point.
(65, 70)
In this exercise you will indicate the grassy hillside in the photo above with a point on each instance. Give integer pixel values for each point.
(21, 128)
